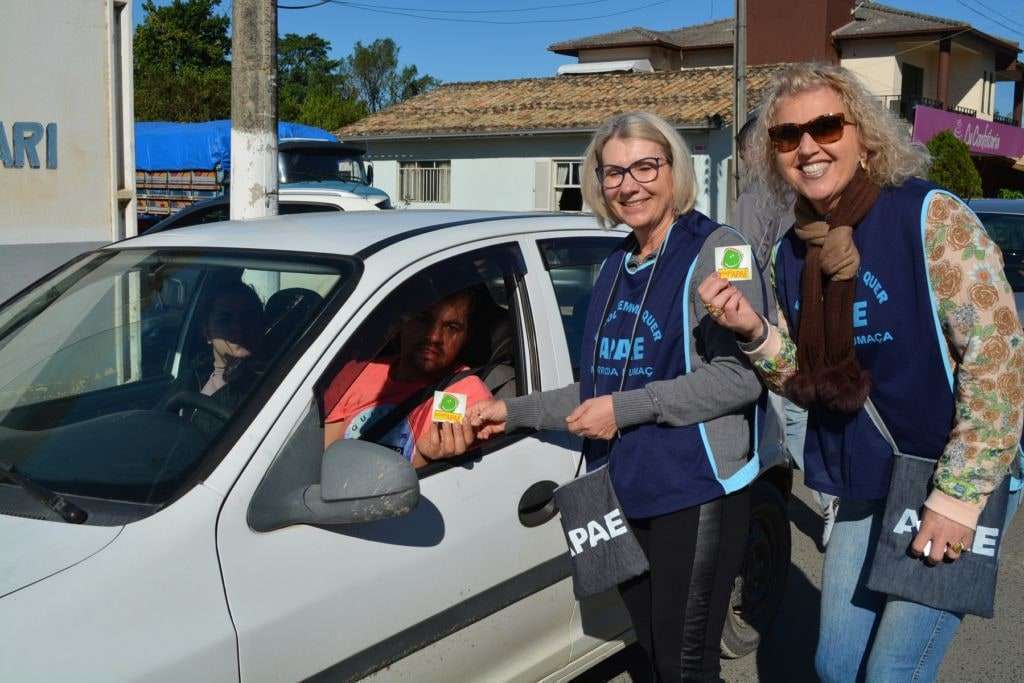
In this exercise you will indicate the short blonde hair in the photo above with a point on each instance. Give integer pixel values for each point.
(638, 124)
(892, 157)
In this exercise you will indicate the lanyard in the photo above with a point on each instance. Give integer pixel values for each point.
(636, 323)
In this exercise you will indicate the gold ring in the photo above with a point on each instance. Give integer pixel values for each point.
(714, 311)
(958, 547)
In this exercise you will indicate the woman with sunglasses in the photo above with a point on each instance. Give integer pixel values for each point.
(664, 396)
(232, 325)
(890, 289)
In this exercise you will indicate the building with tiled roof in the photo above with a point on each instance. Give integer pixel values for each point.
(945, 60)
(692, 99)
(517, 144)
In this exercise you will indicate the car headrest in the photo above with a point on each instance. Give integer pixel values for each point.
(285, 310)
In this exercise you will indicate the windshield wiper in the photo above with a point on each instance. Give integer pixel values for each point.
(68, 511)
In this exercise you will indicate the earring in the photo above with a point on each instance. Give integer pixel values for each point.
(864, 163)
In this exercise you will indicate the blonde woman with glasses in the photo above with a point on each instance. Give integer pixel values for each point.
(665, 397)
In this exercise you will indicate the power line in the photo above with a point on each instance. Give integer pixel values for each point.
(1013, 28)
(321, 3)
(416, 15)
(533, 8)
(932, 42)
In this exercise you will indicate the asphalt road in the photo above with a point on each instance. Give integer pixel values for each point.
(986, 650)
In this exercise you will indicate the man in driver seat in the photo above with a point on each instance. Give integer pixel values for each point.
(430, 346)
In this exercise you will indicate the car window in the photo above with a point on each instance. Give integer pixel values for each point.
(118, 374)
(214, 213)
(288, 207)
(1007, 230)
(454, 325)
(573, 264)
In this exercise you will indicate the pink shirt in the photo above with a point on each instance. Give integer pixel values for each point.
(373, 394)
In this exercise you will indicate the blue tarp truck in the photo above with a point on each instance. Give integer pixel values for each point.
(178, 164)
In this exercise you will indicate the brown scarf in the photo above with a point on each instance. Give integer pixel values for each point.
(828, 372)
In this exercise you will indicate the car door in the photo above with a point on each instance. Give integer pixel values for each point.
(570, 264)
(471, 585)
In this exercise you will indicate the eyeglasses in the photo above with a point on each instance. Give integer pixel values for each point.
(643, 171)
(824, 129)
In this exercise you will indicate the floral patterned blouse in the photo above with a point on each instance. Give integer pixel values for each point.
(986, 349)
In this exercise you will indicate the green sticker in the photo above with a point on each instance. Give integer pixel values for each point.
(449, 403)
(732, 258)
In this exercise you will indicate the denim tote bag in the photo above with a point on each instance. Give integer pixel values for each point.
(602, 548)
(966, 586)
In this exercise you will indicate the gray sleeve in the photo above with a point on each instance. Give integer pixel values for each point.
(542, 409)
(724, 382)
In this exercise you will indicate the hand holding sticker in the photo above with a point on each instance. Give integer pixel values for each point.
(734, 263)
(449, 407)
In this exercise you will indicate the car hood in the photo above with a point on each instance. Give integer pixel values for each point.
(35, 549)
(358, 189)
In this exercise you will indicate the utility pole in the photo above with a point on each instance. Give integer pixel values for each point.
(739, 99)
(253, 109)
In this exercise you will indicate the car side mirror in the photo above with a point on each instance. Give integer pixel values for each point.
(362, 482)
(369, 174)
(358, 482)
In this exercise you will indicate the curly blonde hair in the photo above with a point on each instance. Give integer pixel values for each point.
(638, 124)
(891, 156)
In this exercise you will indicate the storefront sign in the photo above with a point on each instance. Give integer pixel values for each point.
(982, 137)
(29, 143)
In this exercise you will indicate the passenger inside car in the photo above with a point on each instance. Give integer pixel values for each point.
(232, 323)
(389, 399)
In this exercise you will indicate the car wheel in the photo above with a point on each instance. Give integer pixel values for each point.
(757, 591)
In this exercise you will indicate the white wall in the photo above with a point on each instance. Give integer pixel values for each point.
(874, 64)
(966, 87)
(517, 174)
(60, 66)
(877, 64)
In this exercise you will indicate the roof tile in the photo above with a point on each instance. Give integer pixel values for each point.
(571, 102)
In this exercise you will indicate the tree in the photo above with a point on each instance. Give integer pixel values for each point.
(373, 72)
(182, 72)
(312, 88)
(952, 167)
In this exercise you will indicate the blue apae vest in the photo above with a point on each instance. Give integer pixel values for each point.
(655, 469)
(897, 339)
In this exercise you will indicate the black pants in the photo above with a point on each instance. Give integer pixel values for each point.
(679, 607)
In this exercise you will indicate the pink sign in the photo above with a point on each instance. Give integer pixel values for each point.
(983, 137)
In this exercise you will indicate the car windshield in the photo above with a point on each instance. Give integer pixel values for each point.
(319, 165)
(1007, 230)
(120, 372)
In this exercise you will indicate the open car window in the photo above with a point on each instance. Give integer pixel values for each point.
(120, 373)
(369, 380)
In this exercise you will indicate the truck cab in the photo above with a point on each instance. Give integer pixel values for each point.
(328, 165)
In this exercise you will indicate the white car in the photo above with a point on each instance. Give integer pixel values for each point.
(291, 200)
(153, 533)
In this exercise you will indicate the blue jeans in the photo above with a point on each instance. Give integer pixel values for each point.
(869, 636)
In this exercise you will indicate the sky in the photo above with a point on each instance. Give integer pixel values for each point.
(474, 40)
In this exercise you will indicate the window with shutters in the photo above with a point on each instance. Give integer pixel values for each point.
(568, 195)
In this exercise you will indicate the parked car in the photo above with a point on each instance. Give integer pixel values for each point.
(1004, 222)
(291, 200)
(141, 547)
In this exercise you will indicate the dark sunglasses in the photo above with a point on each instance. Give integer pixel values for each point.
(824, 129)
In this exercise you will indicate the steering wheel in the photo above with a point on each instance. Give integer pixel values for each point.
(193, 399)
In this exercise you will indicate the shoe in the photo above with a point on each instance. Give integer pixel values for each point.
(829, 516)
